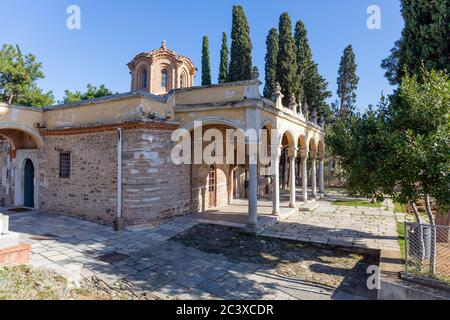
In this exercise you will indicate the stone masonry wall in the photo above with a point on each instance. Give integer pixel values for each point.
(6, 176)
(154, 188)
(91, 190)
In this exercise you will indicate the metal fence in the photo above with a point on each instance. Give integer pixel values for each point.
(427, 251)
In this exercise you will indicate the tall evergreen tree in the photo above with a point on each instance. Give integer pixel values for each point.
(206, 67)
(312, 86)
(271, 62)
(287, 59)
(424, 39)
(347, 81)
(241, 47)
(224, 52)
(304, 59)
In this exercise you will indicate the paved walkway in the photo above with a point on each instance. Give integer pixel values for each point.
(362, 227)
(147, 261)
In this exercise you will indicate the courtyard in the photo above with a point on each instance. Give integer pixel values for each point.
(319, 255)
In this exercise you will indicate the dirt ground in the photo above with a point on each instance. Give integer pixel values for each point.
(324, 265)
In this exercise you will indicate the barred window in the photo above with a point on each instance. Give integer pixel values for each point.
(64, 165)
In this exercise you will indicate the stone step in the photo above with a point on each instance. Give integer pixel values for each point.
(308, 207)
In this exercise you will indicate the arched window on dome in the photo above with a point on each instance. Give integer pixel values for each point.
(144, 79)
(183, 82)
(164, 79)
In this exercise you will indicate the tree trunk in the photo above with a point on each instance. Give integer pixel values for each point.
(433, 234)
(420, 232)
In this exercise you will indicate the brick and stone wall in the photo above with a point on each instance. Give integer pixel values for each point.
(91, 190)
(154, 187)
(6, 175)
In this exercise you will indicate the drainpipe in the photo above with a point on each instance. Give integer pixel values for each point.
(118, 222)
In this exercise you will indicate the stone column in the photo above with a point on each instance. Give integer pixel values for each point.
(321, 177)
(238, 182)
(292, 156)
(304, 176)
(276, 182)
(313, 175)
(253, 184)
(252, 195)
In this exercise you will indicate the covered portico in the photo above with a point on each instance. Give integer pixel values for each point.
(295, 142)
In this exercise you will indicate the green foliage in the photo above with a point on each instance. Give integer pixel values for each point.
(241, 47)
(425, 38)
(92, 92)
(357, 203)
(347, 81)
(287, 66)
(18, 76)
(271, 62)
(206, 66)
(418, 122)
(224, 53)
(313, 88)
(403, 148)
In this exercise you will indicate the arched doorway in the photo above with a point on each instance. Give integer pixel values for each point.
(28, 184)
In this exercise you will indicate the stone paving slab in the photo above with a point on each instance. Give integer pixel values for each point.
(170, 270)
(359, 227)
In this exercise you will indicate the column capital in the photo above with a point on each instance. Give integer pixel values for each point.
(303, 153)
(292, 152)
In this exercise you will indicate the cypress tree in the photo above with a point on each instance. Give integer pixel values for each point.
(224, 52)
(241, 47)
(424, 40)
(206, 67)
(287, 59)
(271, 62)
(312, 86)
(347, 81)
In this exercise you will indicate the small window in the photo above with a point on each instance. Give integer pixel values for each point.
(182, 82)
(144, 79)
(164, 79)
(64, 165)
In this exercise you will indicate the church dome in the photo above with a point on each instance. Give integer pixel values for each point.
(161, 70)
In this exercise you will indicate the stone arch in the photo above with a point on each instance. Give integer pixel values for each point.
(312, 147)
(216, 120)
(16, 132)
(320, 150)
(287, 139)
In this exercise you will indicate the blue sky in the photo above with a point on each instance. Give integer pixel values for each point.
(113, 32)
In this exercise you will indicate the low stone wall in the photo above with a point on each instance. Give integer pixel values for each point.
(15, 255)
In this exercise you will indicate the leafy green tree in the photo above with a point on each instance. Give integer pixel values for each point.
(425, 39)
(287, 67)
(241, 47)
(313, 88)
(92, 92)
(271, 62)
(206, 66)
(18, 76)
(347, 81)
(224, 53)
(419, 138)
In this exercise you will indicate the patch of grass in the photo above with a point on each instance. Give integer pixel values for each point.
(399, 208)
(29, 283)
(357, 203)
(401, 238)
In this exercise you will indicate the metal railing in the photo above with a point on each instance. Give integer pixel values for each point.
(427, 251)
